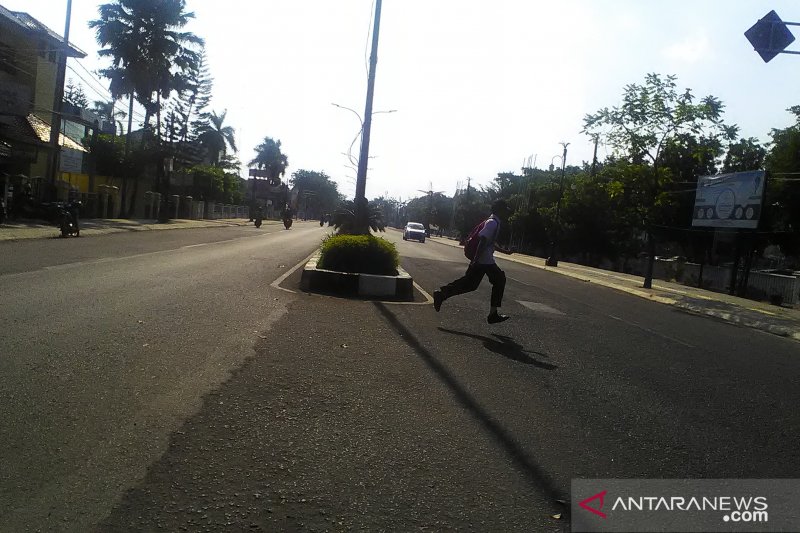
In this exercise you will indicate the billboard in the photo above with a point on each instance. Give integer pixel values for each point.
(729, 200)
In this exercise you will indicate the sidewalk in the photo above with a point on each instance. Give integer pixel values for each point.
(36, 229)
(763, 316)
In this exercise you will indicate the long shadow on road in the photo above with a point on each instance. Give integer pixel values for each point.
(539, 478)
(505, 346)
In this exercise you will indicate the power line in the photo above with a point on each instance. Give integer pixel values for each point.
(136, 114)
(101, 95)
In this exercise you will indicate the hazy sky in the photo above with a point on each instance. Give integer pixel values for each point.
(479, 87)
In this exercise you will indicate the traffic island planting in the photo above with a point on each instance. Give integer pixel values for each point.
(358, 265)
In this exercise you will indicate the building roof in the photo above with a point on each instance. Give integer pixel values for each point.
(30, 25)
(42, 131)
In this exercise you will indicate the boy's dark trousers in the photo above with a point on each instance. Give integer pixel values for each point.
(470, 281)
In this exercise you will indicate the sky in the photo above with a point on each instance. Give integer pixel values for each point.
(464, 88)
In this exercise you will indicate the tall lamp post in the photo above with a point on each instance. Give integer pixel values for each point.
(553, 259)
(361, 177)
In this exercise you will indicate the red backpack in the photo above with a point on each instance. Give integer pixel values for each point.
(471, 244)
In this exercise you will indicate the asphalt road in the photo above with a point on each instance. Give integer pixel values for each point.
(110, 342)
(179, 393)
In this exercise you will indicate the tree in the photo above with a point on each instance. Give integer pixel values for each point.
(746, 154)
(149, 52)
(74, 95)
(651, 118)
(783, 191)
(215, 137)
(651, 115)
(107, 111)
(319, 191)
(269, 157)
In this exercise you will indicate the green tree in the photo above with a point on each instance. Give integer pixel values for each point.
(107, 111)
(783, 190)
(149, 51)
(652, 114)
(216, 138)
(743, 155)
(270, 157)
(653, 117)
(319, 192)
(74, 95)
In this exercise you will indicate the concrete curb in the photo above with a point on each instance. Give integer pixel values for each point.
(399, 287)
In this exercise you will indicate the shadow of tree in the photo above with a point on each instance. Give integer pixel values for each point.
(507, 347)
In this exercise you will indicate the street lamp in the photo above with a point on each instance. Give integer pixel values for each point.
(349, 153)
(553, 259)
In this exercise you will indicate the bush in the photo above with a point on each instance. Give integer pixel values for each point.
(365, 254)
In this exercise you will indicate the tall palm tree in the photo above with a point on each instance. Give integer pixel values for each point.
(269, 157)
(216, 138)
(148, 51)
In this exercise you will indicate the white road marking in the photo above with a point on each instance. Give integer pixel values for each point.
(276, 284)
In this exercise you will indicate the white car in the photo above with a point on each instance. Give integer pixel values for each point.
(414, 231)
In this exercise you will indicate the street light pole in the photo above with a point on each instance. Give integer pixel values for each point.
(553, 259)
(58, 98)
(361, 177)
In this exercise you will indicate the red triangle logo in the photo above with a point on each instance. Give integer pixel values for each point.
(599, 496)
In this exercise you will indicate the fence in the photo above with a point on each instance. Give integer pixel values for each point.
(776, 288)
(217, 210)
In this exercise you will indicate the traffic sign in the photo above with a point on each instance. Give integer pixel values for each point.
(769, 36)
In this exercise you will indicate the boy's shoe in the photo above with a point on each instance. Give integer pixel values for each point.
(438, 298)
(495, 318)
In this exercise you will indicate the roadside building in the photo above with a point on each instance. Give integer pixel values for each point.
(29, 56)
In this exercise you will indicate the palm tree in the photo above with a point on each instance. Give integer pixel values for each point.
(148, 52)
(269, 157)
(107, 110)
(215, 137)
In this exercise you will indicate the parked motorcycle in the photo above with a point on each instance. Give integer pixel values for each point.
(68, 219)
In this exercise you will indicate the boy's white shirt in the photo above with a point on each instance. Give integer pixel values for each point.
(489, 231)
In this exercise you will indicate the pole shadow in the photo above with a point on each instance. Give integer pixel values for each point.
(535, 474)
(507, 347)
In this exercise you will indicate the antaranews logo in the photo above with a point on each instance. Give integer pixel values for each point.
(690, 505)
(601, 496)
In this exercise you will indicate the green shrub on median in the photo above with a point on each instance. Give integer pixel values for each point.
(364, 254)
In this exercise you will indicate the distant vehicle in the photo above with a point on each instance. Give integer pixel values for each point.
(414, 231)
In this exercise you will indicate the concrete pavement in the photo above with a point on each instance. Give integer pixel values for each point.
(777, 320)
(36, 229)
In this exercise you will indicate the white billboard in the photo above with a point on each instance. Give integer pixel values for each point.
(729, 200)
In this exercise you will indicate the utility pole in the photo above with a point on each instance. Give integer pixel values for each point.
(594, 158)
(363, 159)
(58, 97)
